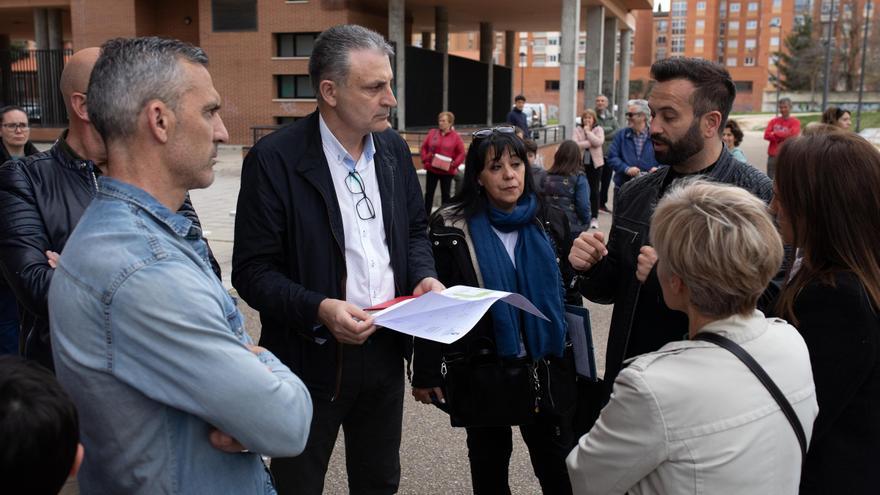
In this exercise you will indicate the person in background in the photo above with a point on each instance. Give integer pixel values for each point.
(14, 143)
(517, 117)
(691, 417)
(837, 117)
(826, 205)
(632, 152)
(39, 430)
(565, 186)
(778, 130)
(608, 121)
(590, 137)
(442, 153)
(497, 234)
(15, 132)
(536, 164)
(732, 138)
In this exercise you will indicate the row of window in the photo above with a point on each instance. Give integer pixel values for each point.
(553, 85)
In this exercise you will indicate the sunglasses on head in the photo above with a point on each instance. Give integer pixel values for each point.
(501, 129)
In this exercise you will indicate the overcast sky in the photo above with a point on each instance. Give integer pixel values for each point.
(664, 3)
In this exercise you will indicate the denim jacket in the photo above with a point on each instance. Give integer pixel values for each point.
(152, 350)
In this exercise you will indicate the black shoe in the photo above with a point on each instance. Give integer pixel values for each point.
(604, 208)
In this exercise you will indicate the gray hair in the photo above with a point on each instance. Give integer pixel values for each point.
(641, 107)
(330, 61)
(131, 72)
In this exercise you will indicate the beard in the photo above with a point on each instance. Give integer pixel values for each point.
(680, 151)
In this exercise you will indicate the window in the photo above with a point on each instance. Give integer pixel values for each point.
(701, 5)
(731, 61)
(551, 85)
(553, 41)
(751, 44)
(286, 119)
(734, 7)
(732, 44)
(677, 45)
(700, 25)
(295, 44)
(753, 6)
(679, 8)
(774, 41)
(733, 26)
(294, 86)
(661, 40)
(751, 25)
(749, 62)
(662, 26)
(743, 86)
(777, 5)
(234, 15)
(552, 58)
(698, 44)
(678, 26)
(776, 22)
(661, 54)
(539, 60)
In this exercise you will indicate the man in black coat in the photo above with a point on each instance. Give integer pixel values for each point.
(330, 220)
(690, 103)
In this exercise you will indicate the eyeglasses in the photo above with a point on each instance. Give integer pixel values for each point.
(630, 115)
(364, 206)
(501, 129)
(21, 126)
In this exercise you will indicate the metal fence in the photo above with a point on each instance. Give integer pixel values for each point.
(31, 79)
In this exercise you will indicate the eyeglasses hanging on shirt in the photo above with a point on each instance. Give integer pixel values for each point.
(364, 207)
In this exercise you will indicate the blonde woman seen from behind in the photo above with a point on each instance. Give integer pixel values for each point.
(691, 417)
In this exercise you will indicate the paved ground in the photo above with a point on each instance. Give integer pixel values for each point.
(433, 454)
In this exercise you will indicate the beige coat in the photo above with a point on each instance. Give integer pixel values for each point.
(692, 418)
(592, 140)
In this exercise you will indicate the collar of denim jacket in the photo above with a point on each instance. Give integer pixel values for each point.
(124, 191)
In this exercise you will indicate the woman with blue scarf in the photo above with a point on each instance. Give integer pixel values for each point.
(497, 234)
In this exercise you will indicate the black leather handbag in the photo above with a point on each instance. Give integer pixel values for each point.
(483, 389)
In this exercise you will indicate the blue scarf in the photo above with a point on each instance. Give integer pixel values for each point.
(536, 277)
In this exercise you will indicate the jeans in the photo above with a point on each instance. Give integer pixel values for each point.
(594, 177)
(8, 322)
(607, 173)
(431, 186)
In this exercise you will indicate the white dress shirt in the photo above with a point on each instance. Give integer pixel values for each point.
(369, 277)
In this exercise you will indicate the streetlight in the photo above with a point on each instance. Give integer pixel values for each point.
(868, 8)
(777, 23)
(828, 56)
(522, 72)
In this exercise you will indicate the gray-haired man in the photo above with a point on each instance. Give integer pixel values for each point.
(170, 389)
(331, 220)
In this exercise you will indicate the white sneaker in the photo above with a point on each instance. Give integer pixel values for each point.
(594, 223)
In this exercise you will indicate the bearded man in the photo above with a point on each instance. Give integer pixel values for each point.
(689, 104)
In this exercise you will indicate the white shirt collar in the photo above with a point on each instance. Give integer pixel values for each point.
(333, 148)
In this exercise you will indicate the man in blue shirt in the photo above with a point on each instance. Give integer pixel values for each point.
(172, 394)
(516, 116)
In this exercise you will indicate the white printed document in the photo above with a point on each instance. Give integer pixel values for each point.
(447, 316)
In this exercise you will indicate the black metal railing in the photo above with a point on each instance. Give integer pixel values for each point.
(31, 79)
(545, 135)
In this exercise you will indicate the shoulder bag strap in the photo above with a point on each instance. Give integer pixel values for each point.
(765, 379)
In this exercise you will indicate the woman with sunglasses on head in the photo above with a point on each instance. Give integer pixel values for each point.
(590, 137)
(827, 203)
(497, 234)
(14, 134)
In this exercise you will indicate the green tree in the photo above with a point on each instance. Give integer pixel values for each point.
(800, 64)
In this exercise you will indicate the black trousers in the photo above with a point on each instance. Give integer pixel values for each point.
(369, 408)
(431, 186)
(606, 184)
(594, 178)
(549, 441)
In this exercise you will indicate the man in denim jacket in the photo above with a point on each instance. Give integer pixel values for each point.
(172, 394)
